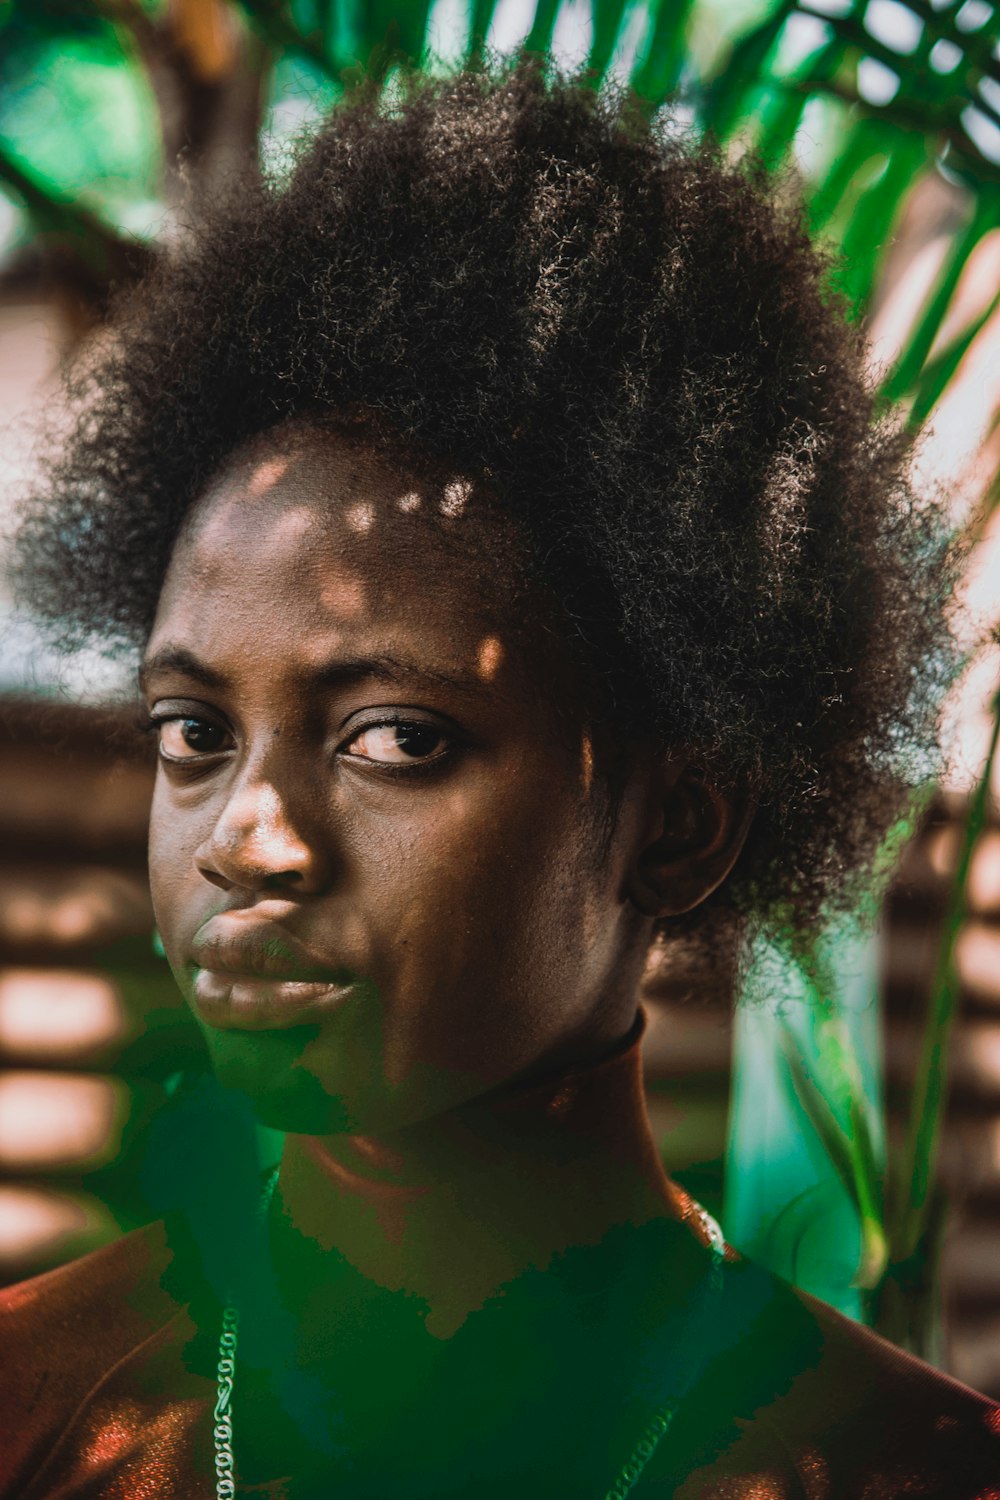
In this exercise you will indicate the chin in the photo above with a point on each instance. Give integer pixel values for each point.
(266, 1069)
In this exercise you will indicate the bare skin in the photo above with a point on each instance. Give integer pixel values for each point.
(383, 875)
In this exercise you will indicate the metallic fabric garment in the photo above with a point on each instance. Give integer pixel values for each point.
(795, 1401)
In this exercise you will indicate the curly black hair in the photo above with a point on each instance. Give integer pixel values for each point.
(633, 342)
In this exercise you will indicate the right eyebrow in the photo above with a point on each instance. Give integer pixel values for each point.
(179, 659)
(332, 674)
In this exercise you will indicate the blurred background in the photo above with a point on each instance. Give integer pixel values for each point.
(843, 1120)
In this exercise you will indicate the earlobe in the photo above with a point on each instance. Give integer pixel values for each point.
(691, 842)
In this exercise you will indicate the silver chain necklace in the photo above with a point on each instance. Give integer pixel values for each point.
(628, 1477)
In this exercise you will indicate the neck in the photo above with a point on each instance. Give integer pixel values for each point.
(452, 1209)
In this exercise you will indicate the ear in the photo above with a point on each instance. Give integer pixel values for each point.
(692, 838)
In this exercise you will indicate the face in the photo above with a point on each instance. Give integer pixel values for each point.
(379, 846)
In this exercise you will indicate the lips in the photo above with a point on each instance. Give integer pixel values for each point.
(259, 950)
(253, 975)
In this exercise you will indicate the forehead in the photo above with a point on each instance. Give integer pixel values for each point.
(311, 539)
(294, 497)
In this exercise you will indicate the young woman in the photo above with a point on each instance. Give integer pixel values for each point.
(523, 589)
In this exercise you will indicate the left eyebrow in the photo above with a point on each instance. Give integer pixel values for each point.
(341, 673)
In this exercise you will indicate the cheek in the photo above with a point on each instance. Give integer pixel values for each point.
(487, 893)
(173, 840)
(164, 835)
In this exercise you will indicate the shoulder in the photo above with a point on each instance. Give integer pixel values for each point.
(97, 1301)
(790, 1389)
(866, 1411)
(64, 1332)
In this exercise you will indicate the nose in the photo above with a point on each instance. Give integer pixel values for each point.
(257, 844)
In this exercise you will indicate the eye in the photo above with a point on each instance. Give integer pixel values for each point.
(184, 738)
(399, 743)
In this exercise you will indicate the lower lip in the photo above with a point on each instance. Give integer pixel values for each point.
(242, 1002)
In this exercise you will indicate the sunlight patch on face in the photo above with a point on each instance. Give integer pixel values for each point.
(291, 526)
(409, 502)
(490, 656)
(346, 597)
(458, 803)
(211, 523)
(586, 764)
(592, 920)
(456, 495)
(266, 476)
(361, 517)
(265, 809)
(354, 933)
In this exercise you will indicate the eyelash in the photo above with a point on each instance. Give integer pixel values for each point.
(154, 722)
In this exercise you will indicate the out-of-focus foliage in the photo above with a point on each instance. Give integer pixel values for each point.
(880, 96)
(803, 1193)
(104, 102)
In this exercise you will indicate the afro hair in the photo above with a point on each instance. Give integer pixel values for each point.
(633, 342)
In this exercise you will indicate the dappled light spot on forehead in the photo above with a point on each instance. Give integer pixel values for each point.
(491, 654)
(214, 519)
(456, 495)
(266, 475)
(347, 597)
(290, 526)
(409, 502)
(231, 530)
(360, 517)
